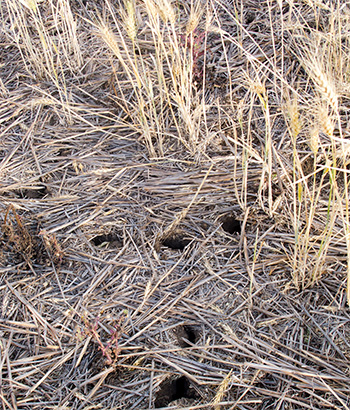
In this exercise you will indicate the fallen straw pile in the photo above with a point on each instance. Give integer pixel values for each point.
(174, 205)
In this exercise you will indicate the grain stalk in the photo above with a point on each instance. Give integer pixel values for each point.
(326, 63)
(52, 48)
(258, 88)
(165, 91)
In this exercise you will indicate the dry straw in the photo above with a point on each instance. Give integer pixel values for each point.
(166, 11)
(295, 122)
(129, 19)
(110, 39)
(324, 83)
(194, 18)
(314, 139)
(326, 120)
(222, 390)
(150, 154)
(30, 4)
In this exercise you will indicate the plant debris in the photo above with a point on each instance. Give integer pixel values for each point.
(174, 205)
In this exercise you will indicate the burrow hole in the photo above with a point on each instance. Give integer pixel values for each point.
(230, 224)
(174, 389)
(187, 335)
(111, 240)
(176, 240)
(34, 193)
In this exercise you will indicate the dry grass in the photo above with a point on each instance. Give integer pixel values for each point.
(174, 204)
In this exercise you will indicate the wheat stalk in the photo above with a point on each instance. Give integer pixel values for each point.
(129, 20)
(166, 11)
(194, 18)
(326, 120)
(294, 118)
(222, 390)
(314, 139)
(324, 83)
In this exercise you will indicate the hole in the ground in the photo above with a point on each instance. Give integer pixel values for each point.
(230, 224)
(35, 193)
(250, 17)
(186, 335)
(111, 240)
(176, 240)
(174, 389)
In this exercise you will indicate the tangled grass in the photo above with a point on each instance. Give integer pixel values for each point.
(174, 204)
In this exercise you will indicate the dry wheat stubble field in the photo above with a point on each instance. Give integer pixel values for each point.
(174, 204)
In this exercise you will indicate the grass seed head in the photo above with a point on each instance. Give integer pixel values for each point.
(166, 11)
(295, 123)
(109, 38)
(222, 390)
(314, 140)
(152, 10)
(193, 20)
(129, 19)
(325, 85)
(326, 121)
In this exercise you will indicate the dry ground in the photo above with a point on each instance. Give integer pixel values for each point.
(174, 204)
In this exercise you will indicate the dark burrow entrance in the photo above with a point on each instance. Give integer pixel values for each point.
(187, 335)
(110, 239)
(34, 193)
(176, 240)
(174, 389)
(230, 224)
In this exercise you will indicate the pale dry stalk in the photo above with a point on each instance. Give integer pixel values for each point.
(314, 139)
(193, 19)
(222, 390)
(295, 122)
(326, 121)
(129, 19)
(324, 84)
(166, 11)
